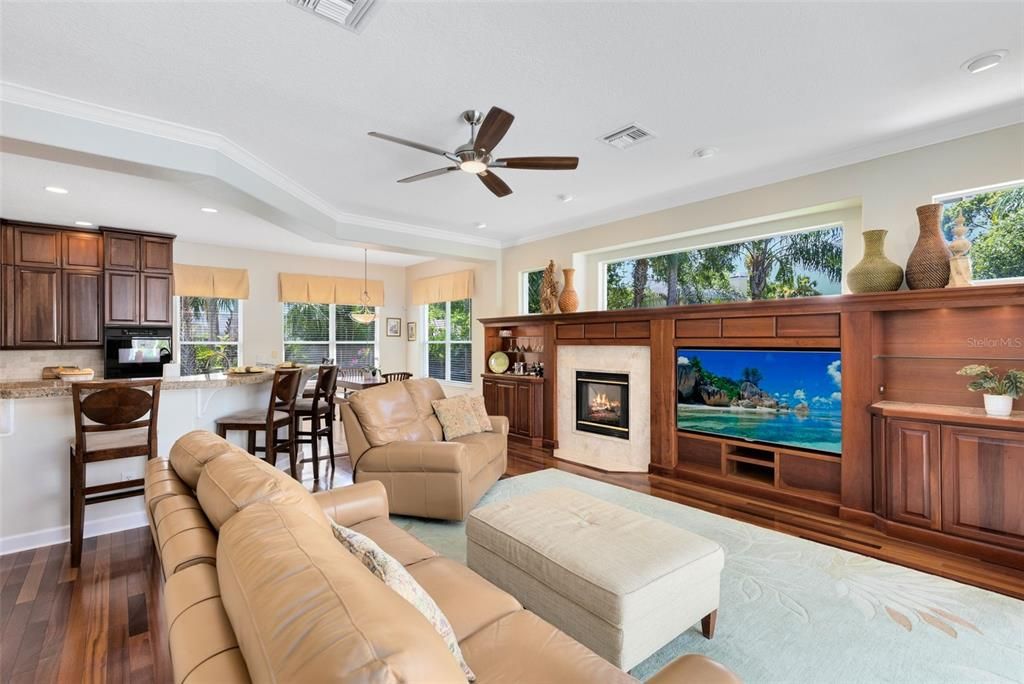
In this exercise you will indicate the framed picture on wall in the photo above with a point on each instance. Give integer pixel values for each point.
(393, 327)
(411, 331)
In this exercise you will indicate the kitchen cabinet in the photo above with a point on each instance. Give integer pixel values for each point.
(122, 298)
(121, 251)
(81, 251)
(155, 299)
(83, 310)
(36, 299)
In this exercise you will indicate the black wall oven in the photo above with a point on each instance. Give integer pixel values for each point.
(136, 352)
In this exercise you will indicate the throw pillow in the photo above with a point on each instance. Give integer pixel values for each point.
(479, 408)
(456, 416)
(391, 572)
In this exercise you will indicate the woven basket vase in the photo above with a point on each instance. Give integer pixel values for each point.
(568, 301)
(928, 265)
(875, 272)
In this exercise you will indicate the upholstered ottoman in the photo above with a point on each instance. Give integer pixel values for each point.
(619, 582)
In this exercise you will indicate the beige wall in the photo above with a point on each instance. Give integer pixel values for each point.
(486, 302)
(886, 190)
(262, 338)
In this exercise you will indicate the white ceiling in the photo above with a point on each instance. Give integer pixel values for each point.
(771, 84)
(119, 200)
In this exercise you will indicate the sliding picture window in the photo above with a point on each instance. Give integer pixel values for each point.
(314, 332)
(209, 334)
(449, 344)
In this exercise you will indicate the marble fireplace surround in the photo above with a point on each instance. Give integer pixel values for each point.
(599, 451)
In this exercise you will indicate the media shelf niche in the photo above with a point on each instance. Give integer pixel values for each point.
(805, 478)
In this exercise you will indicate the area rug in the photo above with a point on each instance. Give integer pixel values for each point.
(793, 610)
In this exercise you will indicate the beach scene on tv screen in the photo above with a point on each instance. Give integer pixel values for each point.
(790, 398)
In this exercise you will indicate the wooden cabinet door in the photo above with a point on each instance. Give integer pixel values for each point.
(121, 251)
(37, 305)
(82, 251)
(155, 294)
(121, 296)
(83, 309)
(913, 462)
(36, 246)
(506, 404)
(157, 254)
(524, 409)
(983, 484)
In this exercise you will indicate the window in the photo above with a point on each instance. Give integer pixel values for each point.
(449, 346)
(799, 264)
(313, 332)
(994, 218)
(531, 281)
(209, 336)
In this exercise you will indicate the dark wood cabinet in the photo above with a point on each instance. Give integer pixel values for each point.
(83, 309)
(36, 246)
(121, 298)
(121, 251)
(155, 299)
(521, 400)
(82, 251)
(36, 299)
(914, 473)
(983, 484)
(157, 254)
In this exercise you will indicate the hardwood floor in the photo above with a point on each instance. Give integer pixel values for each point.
(104, 621)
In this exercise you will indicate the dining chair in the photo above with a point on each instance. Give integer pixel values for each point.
(112, 420)
(396, 377)
(319, 409)
(280, 413)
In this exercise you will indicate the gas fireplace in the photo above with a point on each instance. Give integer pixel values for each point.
(602, 403)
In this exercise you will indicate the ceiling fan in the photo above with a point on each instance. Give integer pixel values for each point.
(477, 155)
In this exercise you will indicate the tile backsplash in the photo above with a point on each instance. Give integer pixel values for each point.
(29, 364)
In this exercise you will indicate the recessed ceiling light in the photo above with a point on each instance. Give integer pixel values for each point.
(56, 190)
(984, 61)
(705, 152)
(82, 223)
(565, 199)
(481, 226)
(209, 210)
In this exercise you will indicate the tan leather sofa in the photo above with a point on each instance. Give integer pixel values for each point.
(394, 437)
(258, 589)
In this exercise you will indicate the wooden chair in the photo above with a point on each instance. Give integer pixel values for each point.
(112, 420)
(319, 408)
(279, 414)
(396, 377)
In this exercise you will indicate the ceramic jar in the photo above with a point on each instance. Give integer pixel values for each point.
(928, 265)
(875, 272)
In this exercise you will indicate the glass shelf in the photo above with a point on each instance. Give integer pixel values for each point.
(939, 357)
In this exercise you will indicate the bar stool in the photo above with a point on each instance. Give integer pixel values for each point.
(396, 377)
(112, 420)
(279, 414)
(319, 408)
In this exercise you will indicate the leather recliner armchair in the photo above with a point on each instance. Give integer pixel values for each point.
(394, 437)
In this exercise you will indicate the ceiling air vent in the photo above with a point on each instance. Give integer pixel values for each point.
(347, 13)
(627, 136)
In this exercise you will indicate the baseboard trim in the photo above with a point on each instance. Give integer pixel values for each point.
(59, 535)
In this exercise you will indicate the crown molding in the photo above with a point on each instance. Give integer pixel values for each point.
(1008, 114)
(167, 130)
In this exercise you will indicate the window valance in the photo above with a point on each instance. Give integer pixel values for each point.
(312, 289)
(443, 288)
(211, 281)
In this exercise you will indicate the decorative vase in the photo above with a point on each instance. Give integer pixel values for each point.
(875, 272)
(928, 265)
(1000, 405)
(548, 289)
(961, 272)
(568, 301)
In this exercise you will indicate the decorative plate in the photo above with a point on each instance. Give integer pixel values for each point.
(498, 363)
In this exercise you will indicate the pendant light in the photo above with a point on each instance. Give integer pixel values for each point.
(364, 314)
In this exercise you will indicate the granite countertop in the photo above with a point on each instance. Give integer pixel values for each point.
(37, 389)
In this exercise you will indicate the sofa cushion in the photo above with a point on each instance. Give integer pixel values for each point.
(521, 647)
(395, 576)
(305, 610)
(482, 448)
(236, 480)
(423, 391)
(468, 600)
(388, 414)
(193, 450)
(395, 541)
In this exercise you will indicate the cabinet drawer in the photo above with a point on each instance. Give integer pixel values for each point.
(633, 330)
(599, 331)
(572, 331)
(812, 325)
(699, 327)
(754, 326)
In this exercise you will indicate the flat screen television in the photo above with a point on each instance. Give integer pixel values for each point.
(786, 398)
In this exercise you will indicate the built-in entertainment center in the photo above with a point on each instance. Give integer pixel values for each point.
(745, 398)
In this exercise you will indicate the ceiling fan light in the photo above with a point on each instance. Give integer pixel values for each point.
(472, 166)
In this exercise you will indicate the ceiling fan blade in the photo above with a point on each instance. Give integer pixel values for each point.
(428, 174)
(539, 163)
(494, 184)
(493, 129)
(410, 143)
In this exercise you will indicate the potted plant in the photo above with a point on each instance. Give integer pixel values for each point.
(1000, 390)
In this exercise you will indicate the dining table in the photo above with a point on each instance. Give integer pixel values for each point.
(354, 383)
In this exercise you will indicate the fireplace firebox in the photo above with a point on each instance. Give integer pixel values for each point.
(602, 403)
